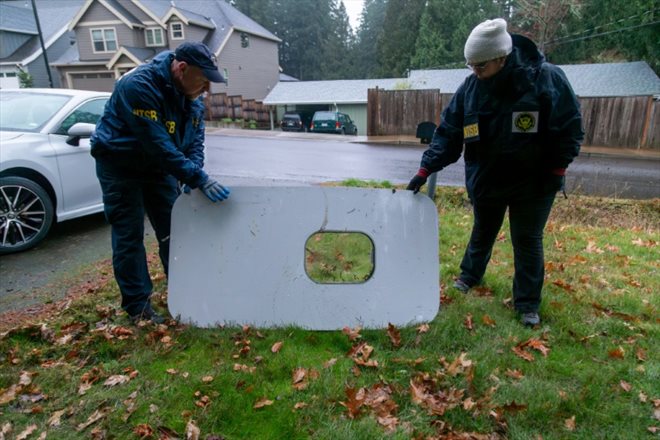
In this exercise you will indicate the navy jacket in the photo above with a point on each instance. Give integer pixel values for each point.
(516, 127)
(149, 128)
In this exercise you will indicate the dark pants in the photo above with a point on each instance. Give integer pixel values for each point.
(126, 198)
(527, 219)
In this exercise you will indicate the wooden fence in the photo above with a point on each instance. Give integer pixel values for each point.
(220, 106)
(618, 122)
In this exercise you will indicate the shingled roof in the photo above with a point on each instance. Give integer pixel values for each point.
(588, 80)
(54, 17)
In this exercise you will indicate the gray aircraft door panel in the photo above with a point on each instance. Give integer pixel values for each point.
(242, 261)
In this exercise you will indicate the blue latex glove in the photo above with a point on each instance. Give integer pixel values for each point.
(214, 191)
(186, 189)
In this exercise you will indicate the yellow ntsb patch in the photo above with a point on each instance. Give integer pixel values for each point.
(525, 122)
(471, 131)
(149, 114)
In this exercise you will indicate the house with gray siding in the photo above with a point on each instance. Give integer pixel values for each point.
(350, 96)
(20, 48)
(114, 36)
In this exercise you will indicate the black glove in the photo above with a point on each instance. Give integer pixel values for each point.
(554, 182)
(418, 180)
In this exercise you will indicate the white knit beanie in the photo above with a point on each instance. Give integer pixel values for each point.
(487, 41)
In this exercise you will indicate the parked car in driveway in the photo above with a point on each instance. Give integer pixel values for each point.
(292, 122)
(333, 122)
(47, 174)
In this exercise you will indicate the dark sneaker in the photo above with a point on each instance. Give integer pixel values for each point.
(147, 314)
(461, 285)
(530, 319)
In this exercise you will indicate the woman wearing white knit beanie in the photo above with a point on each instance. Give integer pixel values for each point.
(520, 124)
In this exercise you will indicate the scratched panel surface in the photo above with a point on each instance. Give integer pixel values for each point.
(242, 261)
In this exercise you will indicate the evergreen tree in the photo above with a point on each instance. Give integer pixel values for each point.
(445, 25)
(396, 43)
(368, 34)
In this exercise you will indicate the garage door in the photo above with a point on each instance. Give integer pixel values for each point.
(101, 82)
(8, 80)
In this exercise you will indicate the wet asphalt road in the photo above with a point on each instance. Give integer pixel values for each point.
(290, 160)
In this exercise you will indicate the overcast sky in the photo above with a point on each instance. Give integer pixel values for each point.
(353, 9)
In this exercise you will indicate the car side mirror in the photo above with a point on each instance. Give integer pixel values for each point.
(77, 131)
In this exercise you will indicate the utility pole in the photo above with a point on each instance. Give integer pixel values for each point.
(41, 40)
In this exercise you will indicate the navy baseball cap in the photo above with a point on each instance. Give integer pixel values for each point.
(197, 54)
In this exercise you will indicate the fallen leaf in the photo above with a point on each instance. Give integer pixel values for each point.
(625, 386)
(55, 419)
(9, 394)
(244, 368)
(514, 407)
(143, 430)
(352, 334)
(653, 429)
(118, 379)
(262, 403)
(514, 374)
(354, 400)
(467, 322)
(487, 320)
(207, 379)
(538, 345)
(642, 397)
(423, 328)
(617, 353)
(95, 417)
(299, 378)
(520, 352)
(171, 371)
(641, 354)
(192, 431)
(299, 405)
(394, 335)
(276, 347)
(26, 432)
(570, 423)
(330, 363)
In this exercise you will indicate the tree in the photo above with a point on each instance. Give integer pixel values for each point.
(368, 34)
(541, 20)
(444, 27)
(25, 80)
(396, 44)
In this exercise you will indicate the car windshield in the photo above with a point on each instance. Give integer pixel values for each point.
(20, 111)
(323, 115)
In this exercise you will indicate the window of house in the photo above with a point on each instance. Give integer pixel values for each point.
(10, 74)
(154, 37)
(104, 40)
(176, 31)
(245, 40)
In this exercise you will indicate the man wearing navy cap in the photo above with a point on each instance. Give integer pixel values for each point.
(150, 138)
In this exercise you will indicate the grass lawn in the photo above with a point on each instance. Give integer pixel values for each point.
(590, 371)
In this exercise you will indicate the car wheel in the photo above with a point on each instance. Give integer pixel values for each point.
(343, 131)
(26, 214)
(355, 132)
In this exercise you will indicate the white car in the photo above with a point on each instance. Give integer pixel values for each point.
(46, 171)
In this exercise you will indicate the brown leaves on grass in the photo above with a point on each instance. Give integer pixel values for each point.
(425, 392)
(610, 313)
(376, 399)
(467, 322)
(353, 334)
(360, 354)
(532, 343)
(261, 403)
(617, 353)
(394, 334)
(276, 347)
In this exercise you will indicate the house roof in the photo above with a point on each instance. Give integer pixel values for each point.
(15, 18)
(347, 91)
(54, 17)
(587, 80)
(219, 14)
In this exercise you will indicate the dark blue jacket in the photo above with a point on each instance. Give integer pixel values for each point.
(516, 127)
(149, 128)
